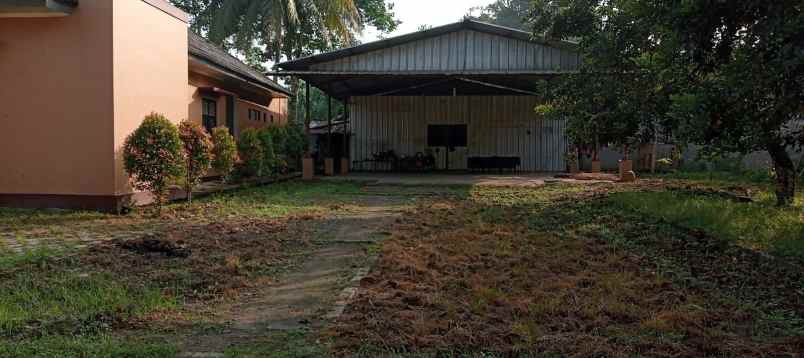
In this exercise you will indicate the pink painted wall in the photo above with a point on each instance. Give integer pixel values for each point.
(57, 105)
(277, 109)
(196, 99)
(74, 87)
(150, 72)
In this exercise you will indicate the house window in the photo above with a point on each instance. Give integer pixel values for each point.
(255, 115)
(272, 118)
(209, 114)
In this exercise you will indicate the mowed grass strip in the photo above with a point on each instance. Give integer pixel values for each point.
(277, 200)
(754, 225)
(269, 201)
(35, 300)
(103, 346)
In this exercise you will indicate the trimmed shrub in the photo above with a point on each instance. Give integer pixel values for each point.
(197, 154)
(152, 156)
(251, 154)
(224, 152)
(268, 154)
(295, 142)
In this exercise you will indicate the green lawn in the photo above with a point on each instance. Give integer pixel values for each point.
(264, 201)
(103, 346)
(67, 302)
(759, 226)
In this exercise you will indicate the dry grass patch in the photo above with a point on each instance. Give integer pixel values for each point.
(468, 277)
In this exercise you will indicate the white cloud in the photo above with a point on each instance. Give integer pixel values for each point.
(415, 13)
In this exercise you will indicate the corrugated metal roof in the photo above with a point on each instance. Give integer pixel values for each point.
(200, 48)
(468, 24)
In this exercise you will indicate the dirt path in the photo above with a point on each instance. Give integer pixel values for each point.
(314, 292)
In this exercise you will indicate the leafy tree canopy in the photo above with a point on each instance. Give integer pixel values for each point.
(508, 13)
(286, 29)
(728, 75)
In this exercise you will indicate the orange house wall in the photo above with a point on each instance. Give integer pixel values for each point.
(196, 99)
(277, 109)
(56, 103)
(277, 106)
(75, 87)
(150, 72)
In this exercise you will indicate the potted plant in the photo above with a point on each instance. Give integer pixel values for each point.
(626, 164)
(571, 158)
(596, 156)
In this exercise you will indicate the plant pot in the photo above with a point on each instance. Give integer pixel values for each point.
(574, 168)
(308, 171)
(625, 167)
(344, 166)
(329, 167)
(595, 166)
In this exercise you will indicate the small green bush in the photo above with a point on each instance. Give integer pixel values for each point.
(280, 136)
(197, 153)
(268, 156)
(224, 152)
(295, 142)
(152, 156)
(664, 164)
(251, 153)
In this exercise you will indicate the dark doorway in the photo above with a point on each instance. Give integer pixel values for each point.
(448, 136)
(337, 150)
(209, 114)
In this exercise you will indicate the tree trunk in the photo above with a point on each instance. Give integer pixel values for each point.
(188, 185)
(785, 174)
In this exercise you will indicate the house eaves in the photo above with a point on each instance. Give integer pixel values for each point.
(37, 8)
(211, 55)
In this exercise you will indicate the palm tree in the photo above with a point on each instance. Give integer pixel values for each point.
(280, 25)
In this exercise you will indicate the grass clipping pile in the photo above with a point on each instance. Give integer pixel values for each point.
(449, 282)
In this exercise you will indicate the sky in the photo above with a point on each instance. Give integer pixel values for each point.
(414, 13)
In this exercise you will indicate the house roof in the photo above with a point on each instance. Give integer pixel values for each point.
(217, 57)
(468, 58)
(467, 24)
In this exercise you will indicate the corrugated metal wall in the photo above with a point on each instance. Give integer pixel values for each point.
(461, 51)
(497, 125)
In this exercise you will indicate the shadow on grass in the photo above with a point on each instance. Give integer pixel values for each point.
(758, 226)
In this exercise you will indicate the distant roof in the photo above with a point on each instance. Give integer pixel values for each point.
(202, 49)
(467, 24)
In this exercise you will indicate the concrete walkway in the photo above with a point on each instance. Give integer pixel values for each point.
(517, 180)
